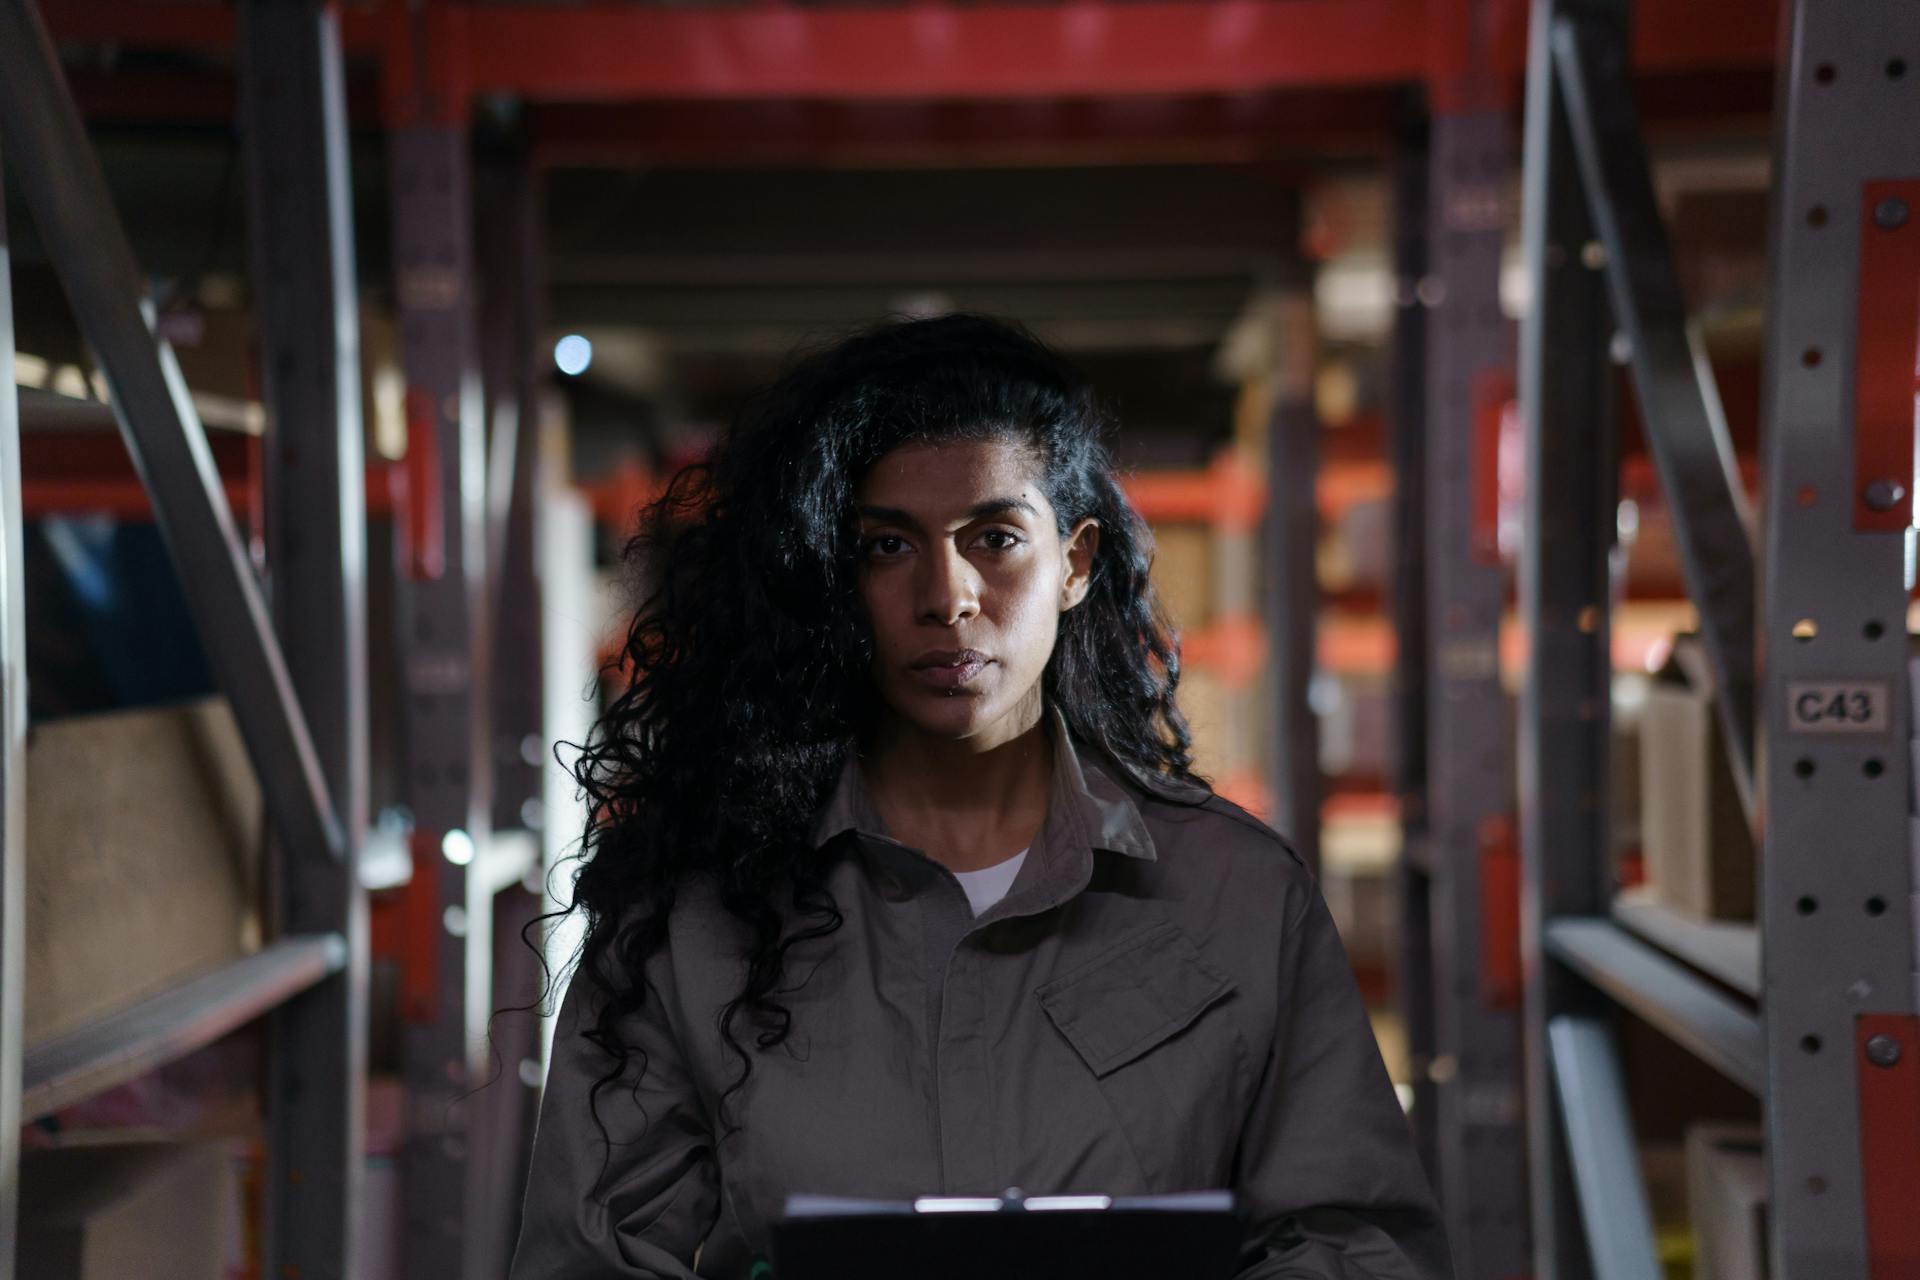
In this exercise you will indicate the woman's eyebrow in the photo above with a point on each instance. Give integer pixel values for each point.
(978, 511)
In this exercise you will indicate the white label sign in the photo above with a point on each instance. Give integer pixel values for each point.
(1837, 706)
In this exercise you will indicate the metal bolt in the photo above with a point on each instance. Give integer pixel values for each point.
(1885, 495)
(1883, 1051)
(1890, 213)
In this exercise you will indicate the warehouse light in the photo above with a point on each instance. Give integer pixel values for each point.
(573, 354)
(458, 846)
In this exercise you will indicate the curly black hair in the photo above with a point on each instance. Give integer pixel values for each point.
(744, 679)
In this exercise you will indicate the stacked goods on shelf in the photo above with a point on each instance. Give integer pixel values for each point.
(1205, 527)
(1727, 1201)
(1698, 851)
(132, 1211)
(143, 827)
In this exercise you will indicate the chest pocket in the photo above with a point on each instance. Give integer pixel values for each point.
(1125, 1003)
(1173, 1080)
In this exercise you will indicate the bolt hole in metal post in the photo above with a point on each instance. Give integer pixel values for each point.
(1808, 905)
(1803, 768)
(1824, 73)
(1896, 67)
(1873, 630)
(1810, 1044)
(1817, 1185)
(1876, 906)
(1811, 357)
(1817, 216)
(1873, 768)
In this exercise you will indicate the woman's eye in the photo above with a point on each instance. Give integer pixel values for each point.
(886, 544)
(1000, 540)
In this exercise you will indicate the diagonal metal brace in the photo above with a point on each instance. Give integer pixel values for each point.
(1686, 428)
(60, 179)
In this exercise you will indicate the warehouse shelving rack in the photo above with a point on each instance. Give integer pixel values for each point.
(312, 976)
(1833, 1048)
(473, 596)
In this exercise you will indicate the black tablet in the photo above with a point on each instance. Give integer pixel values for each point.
(1193, 1236)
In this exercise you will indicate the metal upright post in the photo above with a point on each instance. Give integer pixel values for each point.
(13, 759)
(1687, 430)
(1475, 873)
(512, 304)
(1567, 407)
(301, 232)
(1407, 430)
(1293, 594)
(446, 987)
(1839, 869)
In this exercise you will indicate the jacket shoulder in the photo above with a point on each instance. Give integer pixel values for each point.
(1209, 822)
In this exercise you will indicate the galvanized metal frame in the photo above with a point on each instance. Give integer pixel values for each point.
(1838, 929)
(293, 108)
(1477, 1027)
(1838, 925)
(1687, 430)
(449, 756)
(508, 235)
(13, 791)
(62, 185)
(1600, 1137)
(311, 968)
(1566, 543)
(1407, 605)
(1291, 538)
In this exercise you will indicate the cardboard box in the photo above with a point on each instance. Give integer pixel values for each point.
(143, 837)
(1727, 1201)
(1699, 852)
(1228, 725)
(129, 1211)
(1182, 573)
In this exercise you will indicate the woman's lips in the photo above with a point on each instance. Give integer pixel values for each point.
(951, 676)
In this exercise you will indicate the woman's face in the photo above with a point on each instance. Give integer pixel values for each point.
(965, 575)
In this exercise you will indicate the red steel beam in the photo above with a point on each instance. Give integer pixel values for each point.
(602, 52)
(918, 51)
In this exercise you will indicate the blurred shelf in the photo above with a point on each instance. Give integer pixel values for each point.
(1686, 1008)
(116, 1048)
(510, 856)
(43, 410)
(1724, 950)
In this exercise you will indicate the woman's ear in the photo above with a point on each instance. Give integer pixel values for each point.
(1080, 548)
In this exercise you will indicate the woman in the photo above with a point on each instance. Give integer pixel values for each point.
(898, 879)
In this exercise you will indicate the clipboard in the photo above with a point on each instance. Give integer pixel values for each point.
(1189, 1236)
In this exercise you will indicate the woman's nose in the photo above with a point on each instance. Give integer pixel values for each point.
(949, 588)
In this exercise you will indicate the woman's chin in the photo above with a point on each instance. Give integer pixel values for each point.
(954, 716)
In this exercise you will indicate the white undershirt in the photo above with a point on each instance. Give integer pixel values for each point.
(990, 884)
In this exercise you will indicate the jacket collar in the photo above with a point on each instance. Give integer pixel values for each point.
(1088, 805)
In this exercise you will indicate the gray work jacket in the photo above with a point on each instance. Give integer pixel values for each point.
(1160, 1003)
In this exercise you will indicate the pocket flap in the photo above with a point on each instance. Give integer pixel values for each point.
(1129, 1000)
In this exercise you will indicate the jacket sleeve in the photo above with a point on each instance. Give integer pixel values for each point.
(639, 1206)
(1326, 1169)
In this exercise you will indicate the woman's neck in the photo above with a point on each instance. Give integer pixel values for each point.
(966, 804)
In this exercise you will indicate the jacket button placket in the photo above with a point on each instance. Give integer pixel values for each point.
(966, 1120)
